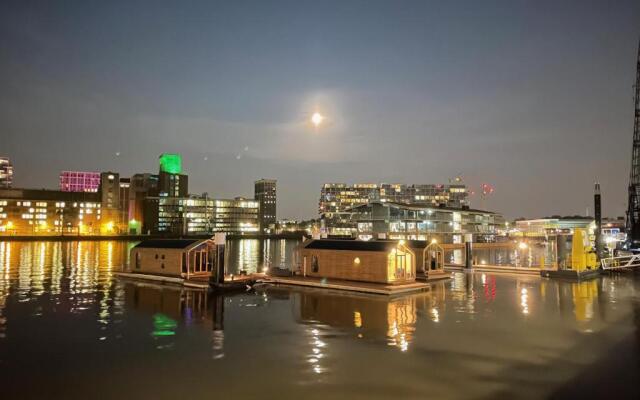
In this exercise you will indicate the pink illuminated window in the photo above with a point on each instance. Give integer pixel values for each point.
(77, 181)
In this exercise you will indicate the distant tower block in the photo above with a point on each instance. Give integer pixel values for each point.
(6, 173)
(265, 194)
(597, 207)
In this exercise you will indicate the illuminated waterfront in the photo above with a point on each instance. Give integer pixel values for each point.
(67, 324)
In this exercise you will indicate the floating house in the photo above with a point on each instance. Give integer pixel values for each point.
(182, 258)
(378, 261)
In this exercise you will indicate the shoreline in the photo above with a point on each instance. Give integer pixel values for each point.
(132, 238)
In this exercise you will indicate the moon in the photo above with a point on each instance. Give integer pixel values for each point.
(316, 119)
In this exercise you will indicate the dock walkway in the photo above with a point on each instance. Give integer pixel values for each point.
(363, 287)
(193, 283)
(496, 268)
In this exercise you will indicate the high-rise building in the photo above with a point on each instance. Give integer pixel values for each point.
(172, 183)
(336, 198)
(110, 189)
(110, 200)
(6, 173)
(79, 181)
(123, 206)
(338, 201)
(265, 195)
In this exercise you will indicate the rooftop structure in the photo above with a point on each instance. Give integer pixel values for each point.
(171, 163)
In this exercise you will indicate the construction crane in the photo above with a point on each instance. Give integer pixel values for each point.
(633, 212)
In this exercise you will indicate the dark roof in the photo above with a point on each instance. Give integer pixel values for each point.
(355, 245)
(166, 243)
(417, 244)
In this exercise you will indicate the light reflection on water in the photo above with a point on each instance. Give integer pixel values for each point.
(62, 310)
(251, 255)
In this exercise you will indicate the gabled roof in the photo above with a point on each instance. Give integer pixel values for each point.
(355, 245)
(167, 243)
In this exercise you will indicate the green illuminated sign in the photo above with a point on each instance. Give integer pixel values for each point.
(171, 163)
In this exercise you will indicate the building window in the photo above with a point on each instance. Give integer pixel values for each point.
(314, 264)
(138, 260)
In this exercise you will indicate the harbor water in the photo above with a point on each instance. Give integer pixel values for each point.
(71, 329)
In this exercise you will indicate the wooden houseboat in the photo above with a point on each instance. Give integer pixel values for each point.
(181, 258)
(378, 261)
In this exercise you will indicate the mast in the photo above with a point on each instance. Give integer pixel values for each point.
(633, 212)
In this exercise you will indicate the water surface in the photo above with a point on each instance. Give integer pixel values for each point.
(70, 329)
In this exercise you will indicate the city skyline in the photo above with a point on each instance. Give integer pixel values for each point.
(534, 99)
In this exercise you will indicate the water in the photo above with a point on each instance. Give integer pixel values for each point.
(252, 255)
(70, 329)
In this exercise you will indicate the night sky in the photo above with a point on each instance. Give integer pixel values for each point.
(533, 97)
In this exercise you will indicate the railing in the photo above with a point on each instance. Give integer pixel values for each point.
(613, 263)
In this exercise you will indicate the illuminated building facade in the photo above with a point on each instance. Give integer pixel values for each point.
(613, 230)
(545, 226)
(200, 215)
(113, 210)
(141, 186)
(79, 181)
(265, 195)
(336, 198)
(50, 212)
(6, 173)
(389, 220)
